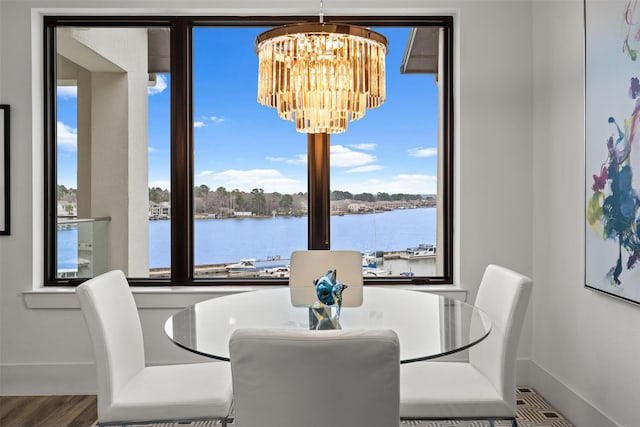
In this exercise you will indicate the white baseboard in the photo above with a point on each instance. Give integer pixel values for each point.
(34, 379)
(26, 379)
(570, 404)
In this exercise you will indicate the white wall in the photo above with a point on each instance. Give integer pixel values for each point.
(493, 107)
(588, 342)
(519, 199)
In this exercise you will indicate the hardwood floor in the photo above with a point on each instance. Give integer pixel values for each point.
(47, 411)
(81, 411)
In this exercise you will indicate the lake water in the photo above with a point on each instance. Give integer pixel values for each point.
(229, 240)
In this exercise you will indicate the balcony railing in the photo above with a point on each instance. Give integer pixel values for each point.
(82, 247)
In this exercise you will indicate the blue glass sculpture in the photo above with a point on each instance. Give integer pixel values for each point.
(326, 311)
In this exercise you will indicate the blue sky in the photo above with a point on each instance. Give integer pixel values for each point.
(242, 144)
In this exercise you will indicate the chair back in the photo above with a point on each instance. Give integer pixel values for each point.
(293, 378)
(114, 326)
(504, 296)
(309, 265)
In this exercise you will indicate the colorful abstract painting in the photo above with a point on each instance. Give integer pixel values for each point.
(612, 160)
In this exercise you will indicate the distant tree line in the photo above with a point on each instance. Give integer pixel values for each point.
(158, 195)
(66, 194)
(223, 203)
(379, 197)
(67, 197)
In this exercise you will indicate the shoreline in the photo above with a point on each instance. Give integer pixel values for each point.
(369, 211)
(220, 270)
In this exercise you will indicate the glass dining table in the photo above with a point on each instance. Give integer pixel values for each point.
(428, 325)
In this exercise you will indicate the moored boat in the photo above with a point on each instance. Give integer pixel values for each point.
(374, 272)
(282, 271)
(422, 251)
(369, 261)
(245, 265)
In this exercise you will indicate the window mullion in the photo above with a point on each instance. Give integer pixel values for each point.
(181, 154)
(318, 146)
(50, 175)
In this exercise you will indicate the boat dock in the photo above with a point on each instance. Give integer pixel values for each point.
(418, 261)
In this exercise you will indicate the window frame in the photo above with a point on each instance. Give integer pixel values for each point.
(182, 155)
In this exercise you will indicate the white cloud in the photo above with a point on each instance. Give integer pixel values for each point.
(205, 173)
(368, 168)
(366, 147)
(413, 177)
(423, 152)
(413, 183)
(299, 159)
(66, 92)
(216, 119)
(403, 183)
(150, 149)
(268, 179)
(160, 86)
(198, 124)
(67, 137)
(342, 156)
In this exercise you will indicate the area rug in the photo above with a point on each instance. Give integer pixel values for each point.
(533, 411)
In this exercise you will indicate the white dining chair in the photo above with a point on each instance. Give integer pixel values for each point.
(484, 388)
(295, 378)
(130, 392)
(309, 265)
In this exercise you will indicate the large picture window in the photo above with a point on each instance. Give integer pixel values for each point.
(160, 161)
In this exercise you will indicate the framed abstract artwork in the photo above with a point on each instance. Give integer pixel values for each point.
(612, 147)
(4, 169)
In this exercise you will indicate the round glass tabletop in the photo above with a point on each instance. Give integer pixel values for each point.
(428, 325)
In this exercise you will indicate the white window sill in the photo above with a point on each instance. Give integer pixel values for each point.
(182, 296)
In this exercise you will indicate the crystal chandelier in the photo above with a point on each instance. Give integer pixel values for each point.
(321, 75)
